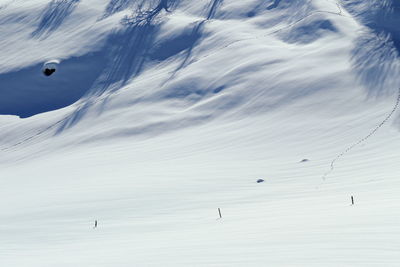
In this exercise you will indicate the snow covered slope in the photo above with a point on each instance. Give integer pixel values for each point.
(162, 111)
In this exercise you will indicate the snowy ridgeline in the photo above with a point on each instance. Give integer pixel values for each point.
(128, 128)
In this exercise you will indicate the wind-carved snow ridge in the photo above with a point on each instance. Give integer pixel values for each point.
(290, 25)
(130, 47)
(123, 57)
(332, 166)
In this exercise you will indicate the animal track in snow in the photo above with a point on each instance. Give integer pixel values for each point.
(332, 166)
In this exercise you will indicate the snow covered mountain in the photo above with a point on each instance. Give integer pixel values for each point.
(159, 112)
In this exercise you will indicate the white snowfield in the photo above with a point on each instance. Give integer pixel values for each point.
(162, 111)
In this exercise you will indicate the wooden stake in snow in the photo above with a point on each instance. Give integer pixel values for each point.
(219, 211)
(352, 200)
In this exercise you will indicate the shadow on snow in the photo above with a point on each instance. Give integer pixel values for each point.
(375, 56)
(53, 16)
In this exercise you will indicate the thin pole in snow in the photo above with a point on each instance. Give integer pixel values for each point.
(95, 224)
(219, 211)
(352, 200)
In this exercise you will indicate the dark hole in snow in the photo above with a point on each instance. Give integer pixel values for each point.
(48, 72)
(260, 181)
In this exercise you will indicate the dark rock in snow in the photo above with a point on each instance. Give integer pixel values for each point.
(50, 67)
(48, 72)
(305, 160)
(260, 181)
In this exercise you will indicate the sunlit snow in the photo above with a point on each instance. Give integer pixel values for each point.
(199, 133)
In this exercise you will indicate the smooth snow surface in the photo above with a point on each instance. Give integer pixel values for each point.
(162, 111)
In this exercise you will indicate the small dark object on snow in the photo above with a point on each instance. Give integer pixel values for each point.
(305, 160)
(260, 181)
(48, 72)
